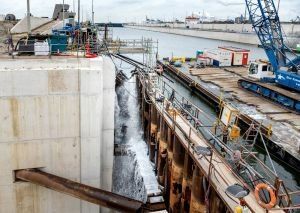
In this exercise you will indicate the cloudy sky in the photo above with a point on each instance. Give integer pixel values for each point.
(136, 10)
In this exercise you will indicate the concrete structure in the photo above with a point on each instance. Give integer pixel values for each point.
(290, 29)
(225, 36)
(47, 28)
(56, 114)
(58, 12)
(21, 26)
(241, 33)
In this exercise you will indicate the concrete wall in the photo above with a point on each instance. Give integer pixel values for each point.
(245, 37)
(289, 28)
(56, 114)
(225, 36)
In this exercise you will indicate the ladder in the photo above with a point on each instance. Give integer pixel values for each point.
(252, 134)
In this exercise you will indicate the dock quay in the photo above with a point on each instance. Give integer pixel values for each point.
(100, 118)
(277, 123)
(184, 158)
(240, 33)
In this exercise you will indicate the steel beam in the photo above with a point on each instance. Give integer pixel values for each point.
(81, 191)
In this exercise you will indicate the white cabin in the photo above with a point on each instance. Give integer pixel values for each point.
(260, 70)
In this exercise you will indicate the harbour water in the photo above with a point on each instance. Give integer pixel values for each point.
(178, 46)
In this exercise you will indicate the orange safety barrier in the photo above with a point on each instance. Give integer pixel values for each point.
(88, 52)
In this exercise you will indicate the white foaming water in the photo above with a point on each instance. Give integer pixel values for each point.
(137, 143)
(134, 173)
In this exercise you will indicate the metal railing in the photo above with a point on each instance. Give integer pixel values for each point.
(30, 47)
(244, 170)
(44, 48)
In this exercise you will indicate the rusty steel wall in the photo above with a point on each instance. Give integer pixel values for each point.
(176, 170)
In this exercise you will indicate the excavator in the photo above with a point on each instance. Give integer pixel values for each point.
(278, 79)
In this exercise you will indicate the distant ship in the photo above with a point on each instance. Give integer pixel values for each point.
(193, 19)
(198, 17)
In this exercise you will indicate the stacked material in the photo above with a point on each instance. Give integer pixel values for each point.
(220, 58)
(41, 48)
(201, 59)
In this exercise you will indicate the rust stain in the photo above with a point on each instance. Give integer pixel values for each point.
(14, 109)
(56, 81)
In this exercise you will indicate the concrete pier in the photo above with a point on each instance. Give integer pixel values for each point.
(53, 117)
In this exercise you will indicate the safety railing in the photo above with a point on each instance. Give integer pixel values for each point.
(44, 48)
(144, 45)
(250, 170)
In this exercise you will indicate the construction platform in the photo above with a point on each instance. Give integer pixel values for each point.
(174, 141)
(215, 83)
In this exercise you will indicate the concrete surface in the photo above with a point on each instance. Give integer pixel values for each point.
(56, 114)
(290, 29)
(230, 32)
(247, 38)
(21, 26)
(48, 27)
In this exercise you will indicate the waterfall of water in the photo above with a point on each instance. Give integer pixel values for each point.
(133, 171)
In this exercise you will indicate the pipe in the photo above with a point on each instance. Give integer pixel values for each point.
(74, 6)
(78, 12)
(63, 15)
(81, 191)
(28, 17)
(93, 13)
(79, 31)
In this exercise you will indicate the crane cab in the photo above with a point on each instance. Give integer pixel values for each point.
(261, 70)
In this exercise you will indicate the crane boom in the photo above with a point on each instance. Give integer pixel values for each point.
(285, 71)
(266, 23)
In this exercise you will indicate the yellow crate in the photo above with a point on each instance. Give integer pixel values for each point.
(235, 132)
(181, 59)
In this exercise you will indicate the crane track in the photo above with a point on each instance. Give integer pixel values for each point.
(273, 94)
